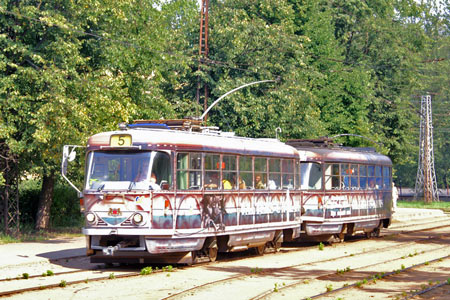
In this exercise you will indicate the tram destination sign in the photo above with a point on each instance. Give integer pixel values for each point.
(120, 140)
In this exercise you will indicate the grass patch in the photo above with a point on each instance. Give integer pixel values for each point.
(445, 206)
(321, 246)
(28, 234)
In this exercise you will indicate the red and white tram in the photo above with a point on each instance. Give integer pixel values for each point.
(167, 193)
(197, 196)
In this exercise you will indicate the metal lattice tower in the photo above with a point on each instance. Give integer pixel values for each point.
(9, 194)
(426, 177)
(203, 49)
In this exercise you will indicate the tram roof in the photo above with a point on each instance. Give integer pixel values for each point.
(166, 139)
(343, 154)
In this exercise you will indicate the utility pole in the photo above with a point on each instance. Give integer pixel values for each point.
(426, 177)
(203, 51)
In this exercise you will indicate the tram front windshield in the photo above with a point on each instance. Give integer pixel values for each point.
(118, 170)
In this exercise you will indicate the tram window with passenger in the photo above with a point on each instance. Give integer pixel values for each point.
(287, 168)
(378, 178)
(212, 171)
(354, 184)
(161, 170)
(349, 176)
(310, 176)
(229, 172)
(260, 173)
(127, 170)
(371, 177)
(245, 173)
(274, 174)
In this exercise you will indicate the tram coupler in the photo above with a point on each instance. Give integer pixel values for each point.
(109, 251)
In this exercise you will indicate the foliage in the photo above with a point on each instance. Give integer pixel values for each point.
(65, 209)
(70, 69)
(146, 270)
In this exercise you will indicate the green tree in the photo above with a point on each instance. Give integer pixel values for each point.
(252, 41)
(69, 69)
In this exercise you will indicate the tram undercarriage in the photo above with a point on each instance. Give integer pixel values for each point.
(144, 249)
(337, 232)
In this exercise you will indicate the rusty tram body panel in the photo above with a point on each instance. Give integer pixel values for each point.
(349, 190)
(207, 192)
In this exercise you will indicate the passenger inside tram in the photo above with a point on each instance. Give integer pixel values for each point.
(226, 184)
(211, 180)
(242, 184)
(259, 185)
(153, 183)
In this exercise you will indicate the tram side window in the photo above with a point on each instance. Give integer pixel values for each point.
(245, 173)
(332, 177)
(274, 174)
(349, 176)
(189, 173)
(311, 176)
(378, 178)
(212, 171)
(363, 176)
(298, 183)
(229, 172)
(387, 178)
(287, 168)
(260, 173)
(162, 170)
(354, 177)
(345, 176)
(371, 177)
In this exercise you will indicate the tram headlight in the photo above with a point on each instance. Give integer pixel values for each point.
(138, 218)
(90, 218)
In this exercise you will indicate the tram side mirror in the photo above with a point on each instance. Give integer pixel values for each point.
(72, 155)
(67, 156)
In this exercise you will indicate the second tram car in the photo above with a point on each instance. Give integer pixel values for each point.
(175, 192)
(344, 190)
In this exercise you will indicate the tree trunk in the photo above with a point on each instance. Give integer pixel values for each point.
(45, 202)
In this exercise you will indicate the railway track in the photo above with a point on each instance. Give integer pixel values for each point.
(63, 278)
(359, 284)
(276, 277)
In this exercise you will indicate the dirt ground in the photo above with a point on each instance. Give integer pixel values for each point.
(296, 272)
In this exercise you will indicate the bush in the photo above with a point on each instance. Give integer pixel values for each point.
(65, 210)
(28, 200)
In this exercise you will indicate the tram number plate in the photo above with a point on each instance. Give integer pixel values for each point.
(120, 140)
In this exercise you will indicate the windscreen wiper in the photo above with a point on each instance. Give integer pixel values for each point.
(100, 187)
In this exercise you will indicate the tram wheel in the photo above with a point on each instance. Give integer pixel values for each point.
(212, 254)
(376, 232)
(260, 249)
(277, 246)
(339, 238)
(368, 234)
